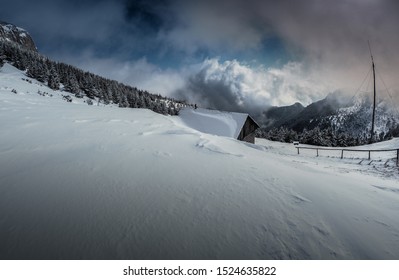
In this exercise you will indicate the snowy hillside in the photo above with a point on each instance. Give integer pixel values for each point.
(356, 117)
(93, 182)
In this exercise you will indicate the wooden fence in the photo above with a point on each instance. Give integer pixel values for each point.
(351, 150)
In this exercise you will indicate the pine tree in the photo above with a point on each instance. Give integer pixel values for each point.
(71, 85)
(123, 101)
(53, 79)
(2, 58)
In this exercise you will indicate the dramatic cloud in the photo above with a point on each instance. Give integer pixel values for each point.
(230, 85)
(330, 36)
(215, 25)
(270, 52)
(333, 35)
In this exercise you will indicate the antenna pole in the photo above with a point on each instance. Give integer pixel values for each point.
(374, 98)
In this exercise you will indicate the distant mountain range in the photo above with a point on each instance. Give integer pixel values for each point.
(338, 114)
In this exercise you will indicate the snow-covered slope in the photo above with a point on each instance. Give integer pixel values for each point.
(79, 181)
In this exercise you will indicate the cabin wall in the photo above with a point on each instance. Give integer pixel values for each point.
(247, 132)
(250, 138)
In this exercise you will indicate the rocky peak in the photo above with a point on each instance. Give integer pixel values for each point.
(10, 32)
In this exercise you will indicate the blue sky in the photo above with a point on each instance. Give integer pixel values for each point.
(236, 55)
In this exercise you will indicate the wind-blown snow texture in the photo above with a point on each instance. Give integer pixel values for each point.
(93, 182)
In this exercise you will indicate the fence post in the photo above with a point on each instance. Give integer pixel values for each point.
(342, 154)
(397, 157)
(369, 154)
(297, 149)
(317, 152)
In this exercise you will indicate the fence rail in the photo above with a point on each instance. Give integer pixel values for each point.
(351, 150)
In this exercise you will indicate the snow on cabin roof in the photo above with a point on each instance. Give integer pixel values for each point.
(220, 123)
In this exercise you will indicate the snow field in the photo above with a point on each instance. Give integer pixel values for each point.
(92, 182)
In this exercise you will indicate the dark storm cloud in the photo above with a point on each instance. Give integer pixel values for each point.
(328, 39)
(59, 24)
(320, 29)
(153, 16)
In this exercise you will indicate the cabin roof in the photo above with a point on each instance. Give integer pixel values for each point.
(215, 122)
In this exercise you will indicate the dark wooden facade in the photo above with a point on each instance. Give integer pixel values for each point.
(247, 132)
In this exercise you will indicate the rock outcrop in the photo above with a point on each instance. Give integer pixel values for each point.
(10, 32)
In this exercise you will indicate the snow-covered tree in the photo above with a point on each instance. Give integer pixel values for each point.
(53, 80)
(83, 83)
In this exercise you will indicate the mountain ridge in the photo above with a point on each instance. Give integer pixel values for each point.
(335, 117)
(12, 33)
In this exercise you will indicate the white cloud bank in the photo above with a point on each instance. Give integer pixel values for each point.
(231, 85)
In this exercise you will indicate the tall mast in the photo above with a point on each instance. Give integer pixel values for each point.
(374, 98)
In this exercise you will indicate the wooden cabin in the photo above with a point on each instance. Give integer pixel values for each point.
(247, 132)
(240, 126)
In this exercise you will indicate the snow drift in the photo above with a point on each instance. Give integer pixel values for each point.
(214, 122)
(95, 182)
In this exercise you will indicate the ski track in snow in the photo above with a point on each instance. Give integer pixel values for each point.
(94, 182)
